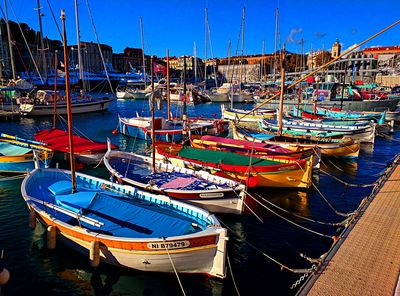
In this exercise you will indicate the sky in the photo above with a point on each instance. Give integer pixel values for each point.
(178, 25)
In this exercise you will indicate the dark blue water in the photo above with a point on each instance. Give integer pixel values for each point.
(37, 271)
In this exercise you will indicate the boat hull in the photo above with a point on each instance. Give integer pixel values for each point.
(198, 252)
(77, 108)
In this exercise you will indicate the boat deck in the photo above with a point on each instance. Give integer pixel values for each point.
(367, 261)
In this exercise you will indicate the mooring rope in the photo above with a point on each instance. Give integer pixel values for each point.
(283, 266)
(173, 266)
(330, 205)
(301, 217)
(233, 278)
(346, 183)
(388, 137)
(289, 221)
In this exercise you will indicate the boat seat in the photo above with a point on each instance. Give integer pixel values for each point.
(61, 187)
(76, 201)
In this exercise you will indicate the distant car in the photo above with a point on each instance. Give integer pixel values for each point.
(396, 90)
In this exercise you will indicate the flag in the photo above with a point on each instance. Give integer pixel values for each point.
(158, 68)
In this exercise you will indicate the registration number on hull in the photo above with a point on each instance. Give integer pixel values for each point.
(168, 245)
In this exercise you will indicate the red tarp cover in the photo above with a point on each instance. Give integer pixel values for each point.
(58, 140)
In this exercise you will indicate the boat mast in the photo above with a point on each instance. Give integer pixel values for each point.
(184, 124)
(195, 62)
(78, 42)
(69, 107)
(9, 42)
(282, 93)
(241, 58)
(42, 49)
(153, 120)
(168, 89)
(55, 88)
(205, 46)
(276, 39)
(143, 57)
(262, 62)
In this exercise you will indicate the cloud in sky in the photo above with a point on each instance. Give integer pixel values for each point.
(319, 34)
(291, 39)
(354, 31)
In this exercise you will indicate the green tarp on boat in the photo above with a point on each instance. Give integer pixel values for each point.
(223, 157)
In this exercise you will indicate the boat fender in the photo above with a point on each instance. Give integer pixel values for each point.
(32, 220)
(94, 254)
(4, 276)
(51, 237)
(252, 182)
(115, 132)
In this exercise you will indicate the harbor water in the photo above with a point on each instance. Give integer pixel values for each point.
(267, 253)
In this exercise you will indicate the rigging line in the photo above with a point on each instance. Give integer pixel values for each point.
(25, 41)
(233, 278)
(283, 266)
(98, 46)
(173, 266)
(330, 205)
(287, 220)
(54, 18)
(324, 66)
(346, 183)
(298, 216)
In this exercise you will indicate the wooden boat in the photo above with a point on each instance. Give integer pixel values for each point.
(16, 154)
(251, 170)
(85, 150)
(263, 150)
(247, 147)
(213, 193)
(168, 130)
(124, 226)
(237, 114)
(379, 117)
(345, 147)
(42, 105)
(364, 133)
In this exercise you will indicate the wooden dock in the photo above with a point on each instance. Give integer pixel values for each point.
(366, 259)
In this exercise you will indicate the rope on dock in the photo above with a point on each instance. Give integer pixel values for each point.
(283, 266)
(287, 220)
(13, 178)
(346, 183)
(233, 278)
(302, 217)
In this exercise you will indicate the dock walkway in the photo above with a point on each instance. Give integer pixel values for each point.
(366, 261)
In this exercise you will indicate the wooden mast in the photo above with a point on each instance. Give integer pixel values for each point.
(69, 107)
(168, 89)
(282, 93)
(153, 121)
(55, 89)
(10, 43)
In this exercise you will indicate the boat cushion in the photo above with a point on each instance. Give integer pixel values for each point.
(61, 187)
(76, 201)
